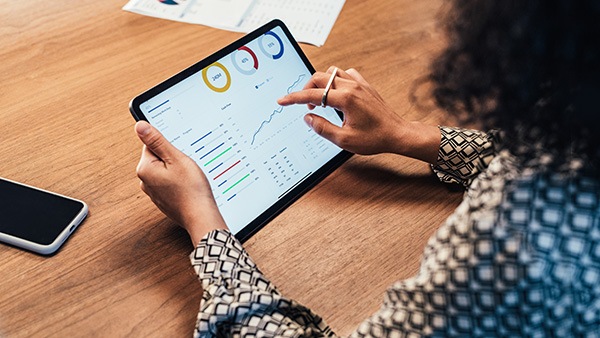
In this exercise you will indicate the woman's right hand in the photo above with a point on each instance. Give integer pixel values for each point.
(370, 125)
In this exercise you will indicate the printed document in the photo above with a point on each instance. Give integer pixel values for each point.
(310, 21)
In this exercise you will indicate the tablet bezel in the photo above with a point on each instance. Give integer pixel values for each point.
(300, 188)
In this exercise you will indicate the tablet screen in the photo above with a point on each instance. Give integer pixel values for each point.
(223, 113)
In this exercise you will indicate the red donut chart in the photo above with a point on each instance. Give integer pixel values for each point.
(239, 64)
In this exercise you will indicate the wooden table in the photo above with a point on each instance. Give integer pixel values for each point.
(67, 72)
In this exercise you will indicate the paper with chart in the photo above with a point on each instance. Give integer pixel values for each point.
(309, 21)
(205, 12)
(226, 118)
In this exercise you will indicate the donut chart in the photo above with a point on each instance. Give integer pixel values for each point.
(245, 60)
(271, 45)
(217, 77)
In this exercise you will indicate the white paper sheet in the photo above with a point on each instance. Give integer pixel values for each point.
(309, 21)
(204, 12)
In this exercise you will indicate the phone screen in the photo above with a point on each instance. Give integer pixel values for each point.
(35, 215)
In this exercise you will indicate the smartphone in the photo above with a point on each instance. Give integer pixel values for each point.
(35, 219)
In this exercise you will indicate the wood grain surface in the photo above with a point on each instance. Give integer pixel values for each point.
(67, 72)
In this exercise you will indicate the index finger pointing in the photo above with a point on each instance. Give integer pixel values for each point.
(335, 98)
(305, 96)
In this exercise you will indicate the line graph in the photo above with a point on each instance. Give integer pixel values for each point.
(278, 110)
(300, 77)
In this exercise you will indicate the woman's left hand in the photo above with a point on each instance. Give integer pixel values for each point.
(176, 184)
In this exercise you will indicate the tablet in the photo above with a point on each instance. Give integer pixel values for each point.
(222, 112)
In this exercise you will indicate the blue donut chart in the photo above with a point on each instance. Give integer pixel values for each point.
(264, 50)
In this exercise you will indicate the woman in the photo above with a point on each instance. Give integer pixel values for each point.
(519, 257)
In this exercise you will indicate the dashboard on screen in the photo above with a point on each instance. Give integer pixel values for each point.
(224, 115)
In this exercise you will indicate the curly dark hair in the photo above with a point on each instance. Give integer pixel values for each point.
(528, 67)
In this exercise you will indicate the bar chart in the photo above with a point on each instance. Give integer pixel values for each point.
(221, 158)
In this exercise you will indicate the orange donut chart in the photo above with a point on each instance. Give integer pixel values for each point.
(217, 76)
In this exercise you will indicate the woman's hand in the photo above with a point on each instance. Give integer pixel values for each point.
(370, 126)
(176, 184)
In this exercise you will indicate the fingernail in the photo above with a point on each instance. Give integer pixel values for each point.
(143, 128)
(308, 119)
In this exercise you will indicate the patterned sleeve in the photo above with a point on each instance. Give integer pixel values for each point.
(239, 300)
(464, 154)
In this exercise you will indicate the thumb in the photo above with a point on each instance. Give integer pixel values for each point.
(323, 127)
(155, 141)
